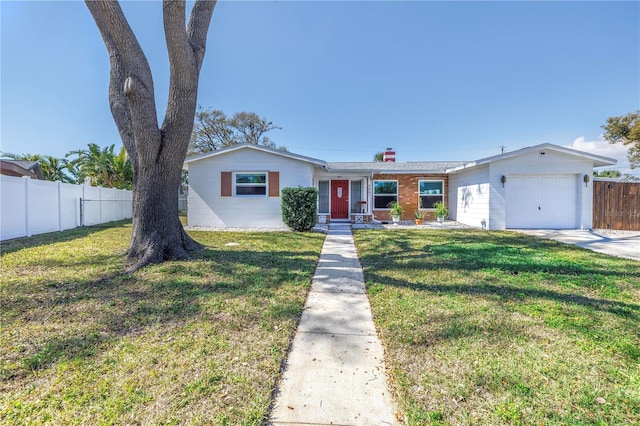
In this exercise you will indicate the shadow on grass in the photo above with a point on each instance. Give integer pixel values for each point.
(512, 268)
(167, 294)
(10, 246)
(504, 292)
(508, 252)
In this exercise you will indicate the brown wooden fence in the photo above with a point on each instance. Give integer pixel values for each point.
(616, 205)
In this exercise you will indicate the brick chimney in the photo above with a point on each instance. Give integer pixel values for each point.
(389, 156)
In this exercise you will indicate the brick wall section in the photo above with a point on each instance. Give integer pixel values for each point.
(408, 194)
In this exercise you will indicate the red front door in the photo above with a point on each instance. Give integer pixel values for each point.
(339, 199)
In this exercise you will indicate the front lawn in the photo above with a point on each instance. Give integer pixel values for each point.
(197, 342)
(494, 328)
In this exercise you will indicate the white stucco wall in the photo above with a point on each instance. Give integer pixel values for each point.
(206, 208)
(534, 163)
(469, 196)
(481, 197)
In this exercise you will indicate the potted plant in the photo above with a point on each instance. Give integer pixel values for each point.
(419, 214)
(396, 211)
(441, 211)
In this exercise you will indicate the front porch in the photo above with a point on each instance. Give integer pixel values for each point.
(343, 198)
(325, 218)
(364, 198)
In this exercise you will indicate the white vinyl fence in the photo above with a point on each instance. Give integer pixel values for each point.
(30, 207)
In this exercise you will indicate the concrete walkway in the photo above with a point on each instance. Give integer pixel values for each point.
(615, 243)
(335, 373)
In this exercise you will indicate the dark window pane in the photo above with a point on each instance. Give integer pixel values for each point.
(356, 196)
(429, 200)
(251, 190)
(323, 197)
(382, 201)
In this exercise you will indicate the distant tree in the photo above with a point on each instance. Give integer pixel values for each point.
(22, 157)
(102, 167)
(53, 169)
(213, 130)
(378, 157)
(607, 173)
(250, 128)
(157, 151)
(616, 174)
(122, 170)
(625, 129)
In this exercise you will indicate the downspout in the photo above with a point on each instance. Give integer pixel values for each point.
(373, 219)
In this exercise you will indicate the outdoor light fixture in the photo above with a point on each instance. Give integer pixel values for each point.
(586, 180)
(503, 179)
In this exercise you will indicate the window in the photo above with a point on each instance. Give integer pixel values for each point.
(356, 196)
(251, 184)
(430, 191)
(384, 192)
(323, 196)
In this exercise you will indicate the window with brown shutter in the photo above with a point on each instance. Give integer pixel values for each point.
(274, 184)
(225, 184)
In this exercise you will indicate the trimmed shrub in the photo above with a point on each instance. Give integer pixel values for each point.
(299, 208)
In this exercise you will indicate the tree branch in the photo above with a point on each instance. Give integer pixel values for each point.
(199, 26)
(185, 61)
(133, 109)
(175, 33)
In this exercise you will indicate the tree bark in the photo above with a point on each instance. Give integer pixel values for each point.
(157, 153)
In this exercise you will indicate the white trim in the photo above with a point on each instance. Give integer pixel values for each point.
(373, 192)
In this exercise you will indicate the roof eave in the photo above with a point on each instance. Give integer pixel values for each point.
(598, 160)
(286, 154)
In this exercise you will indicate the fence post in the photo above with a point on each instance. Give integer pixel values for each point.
(27, 230)
(82, 212)
(59, 206)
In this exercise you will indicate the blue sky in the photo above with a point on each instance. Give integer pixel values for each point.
(433, 80)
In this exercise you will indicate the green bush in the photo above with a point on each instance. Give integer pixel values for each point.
(299, 208)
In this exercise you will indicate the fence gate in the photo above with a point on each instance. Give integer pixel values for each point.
(616, 205)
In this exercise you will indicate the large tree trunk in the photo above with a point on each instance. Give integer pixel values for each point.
(157, 231)
(157, 152)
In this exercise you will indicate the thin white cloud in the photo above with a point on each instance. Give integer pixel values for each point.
(603, 148)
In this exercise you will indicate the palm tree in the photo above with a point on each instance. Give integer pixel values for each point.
(22, 157)
(122, 170)
(101, 167)
(54, 168)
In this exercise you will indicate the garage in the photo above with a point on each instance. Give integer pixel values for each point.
(541, 201)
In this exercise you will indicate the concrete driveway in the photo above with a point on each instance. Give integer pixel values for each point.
(615, 243)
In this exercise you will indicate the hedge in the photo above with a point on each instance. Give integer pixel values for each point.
(299, 208)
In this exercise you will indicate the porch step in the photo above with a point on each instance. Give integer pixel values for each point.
(340, 226)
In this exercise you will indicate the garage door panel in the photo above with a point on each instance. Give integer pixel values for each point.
(541, 201)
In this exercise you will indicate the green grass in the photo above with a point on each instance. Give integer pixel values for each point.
(498, 328)
(198, 342)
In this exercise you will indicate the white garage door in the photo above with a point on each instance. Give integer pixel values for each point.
(541, 201)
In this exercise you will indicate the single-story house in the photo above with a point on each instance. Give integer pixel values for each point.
(544, 186)
(20, 168)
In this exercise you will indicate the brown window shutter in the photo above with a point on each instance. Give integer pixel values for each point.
(274, 184)
(225, 184)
